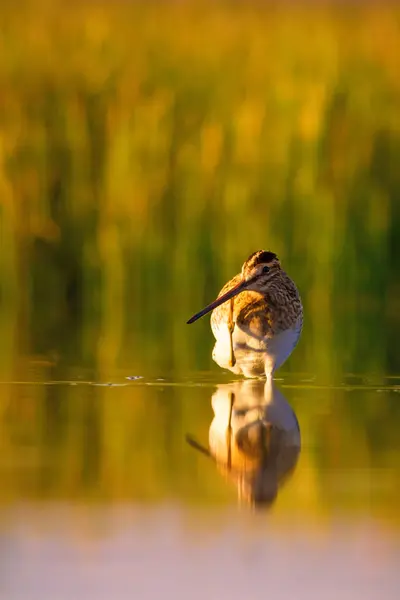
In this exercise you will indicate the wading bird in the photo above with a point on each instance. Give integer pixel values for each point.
(256, 319)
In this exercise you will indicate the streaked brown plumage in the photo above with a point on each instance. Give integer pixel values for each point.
(256, 319)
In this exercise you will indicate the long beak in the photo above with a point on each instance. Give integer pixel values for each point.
(232, 292)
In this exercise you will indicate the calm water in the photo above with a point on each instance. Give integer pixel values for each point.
(293, 490)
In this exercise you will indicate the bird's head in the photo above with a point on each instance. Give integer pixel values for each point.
(258, 269)
(256, 273)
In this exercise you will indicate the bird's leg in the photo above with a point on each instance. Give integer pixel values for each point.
(229, 432)
(231, 327)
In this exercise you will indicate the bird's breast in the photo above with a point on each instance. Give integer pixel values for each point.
(249, 312)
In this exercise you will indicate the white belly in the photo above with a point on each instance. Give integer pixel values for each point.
(255, 356)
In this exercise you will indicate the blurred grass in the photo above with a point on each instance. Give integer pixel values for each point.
(147, 148)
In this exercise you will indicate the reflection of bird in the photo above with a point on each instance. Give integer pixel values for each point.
(258, 328)
(254, 438)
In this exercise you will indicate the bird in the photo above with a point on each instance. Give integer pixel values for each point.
(256, 319)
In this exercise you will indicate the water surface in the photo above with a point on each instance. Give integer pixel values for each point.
(102, 495)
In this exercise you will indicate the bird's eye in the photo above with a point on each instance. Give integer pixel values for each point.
(265, 269)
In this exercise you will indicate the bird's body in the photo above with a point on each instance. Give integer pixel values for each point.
(256, 319)
(267, 327)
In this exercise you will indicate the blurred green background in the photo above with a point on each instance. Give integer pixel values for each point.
(146, 149)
